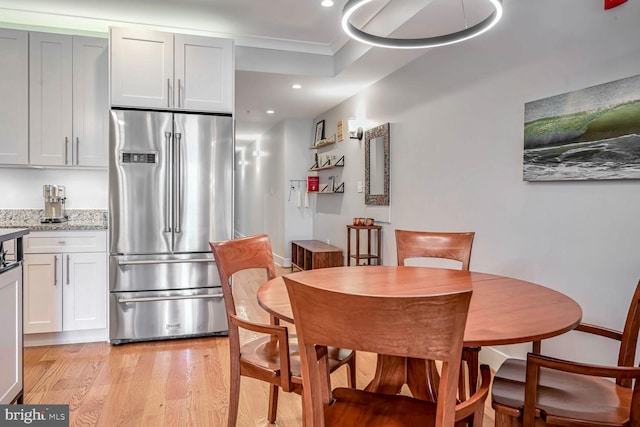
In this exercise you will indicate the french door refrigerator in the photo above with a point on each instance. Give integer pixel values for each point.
(170, 193)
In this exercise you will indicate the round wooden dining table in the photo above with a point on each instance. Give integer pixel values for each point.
(503, 310)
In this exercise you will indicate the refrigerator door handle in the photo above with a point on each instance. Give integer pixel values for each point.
(163, 261)
(167, 206)
(178, 183)
(149, 299)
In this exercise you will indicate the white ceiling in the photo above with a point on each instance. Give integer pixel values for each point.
(278, 42)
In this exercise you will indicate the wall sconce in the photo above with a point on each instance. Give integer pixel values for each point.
(355, 131)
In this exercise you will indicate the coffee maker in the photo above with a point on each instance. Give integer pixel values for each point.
(54, 199)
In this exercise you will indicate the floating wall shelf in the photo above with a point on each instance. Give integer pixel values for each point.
(322, 143)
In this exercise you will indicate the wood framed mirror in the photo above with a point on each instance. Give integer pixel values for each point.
(376, 165)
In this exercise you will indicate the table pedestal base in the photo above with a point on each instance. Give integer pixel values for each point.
(392, 372)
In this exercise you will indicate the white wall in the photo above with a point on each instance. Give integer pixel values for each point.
(456, 116)
(263, 203)
(22, 187)
(298, 220)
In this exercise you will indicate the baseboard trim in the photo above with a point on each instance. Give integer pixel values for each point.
(281, 261)
(67, 337)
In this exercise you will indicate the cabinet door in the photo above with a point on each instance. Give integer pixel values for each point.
(141, 68)
(90, 101)
(11, 334)
(50, 99)
(203, 73)
(85, 291)
(42, 293)
(14, 92)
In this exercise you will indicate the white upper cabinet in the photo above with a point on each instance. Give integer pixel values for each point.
(152, 69)
(203, 73)
(14, 92)
(141, 68)
(50, 100)
(90, 101)
(68, 100)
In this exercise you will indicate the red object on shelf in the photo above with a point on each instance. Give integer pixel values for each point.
(610, 4)
(313, 183)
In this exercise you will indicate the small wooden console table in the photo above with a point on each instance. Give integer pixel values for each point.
(369, 256)
(312, 254)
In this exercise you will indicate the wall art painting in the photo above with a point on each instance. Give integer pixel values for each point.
(589, 134)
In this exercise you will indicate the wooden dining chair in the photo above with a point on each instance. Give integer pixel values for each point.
(549, 391)
(274, 356)
(422, 327)
(427, 244)
(444, 245)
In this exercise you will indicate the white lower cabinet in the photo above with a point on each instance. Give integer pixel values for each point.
(11, 381)
(65, 286)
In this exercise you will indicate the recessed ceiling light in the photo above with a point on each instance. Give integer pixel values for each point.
(296, 86)
(327, 3)
(270, 112)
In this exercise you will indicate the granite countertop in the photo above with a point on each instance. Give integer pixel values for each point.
(79, 219)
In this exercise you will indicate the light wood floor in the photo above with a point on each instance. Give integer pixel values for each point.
(164, 383)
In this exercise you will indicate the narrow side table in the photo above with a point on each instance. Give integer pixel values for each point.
(369, 255)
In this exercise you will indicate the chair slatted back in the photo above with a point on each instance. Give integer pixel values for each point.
(425, 327)
(236, 255)
(426, 244)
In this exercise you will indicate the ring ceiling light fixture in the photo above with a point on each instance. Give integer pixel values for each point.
(406, 43)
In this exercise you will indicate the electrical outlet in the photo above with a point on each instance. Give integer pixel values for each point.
(360, 186)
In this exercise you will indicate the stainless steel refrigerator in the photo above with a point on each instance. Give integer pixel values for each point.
(170, 193)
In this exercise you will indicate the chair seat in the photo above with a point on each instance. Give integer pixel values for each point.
(562, 394)
(261, 352)
(354, 407)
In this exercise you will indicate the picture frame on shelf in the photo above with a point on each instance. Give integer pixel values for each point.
(319, 132)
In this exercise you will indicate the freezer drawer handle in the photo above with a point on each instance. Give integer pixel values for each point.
(149, 299)
(163, 261)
